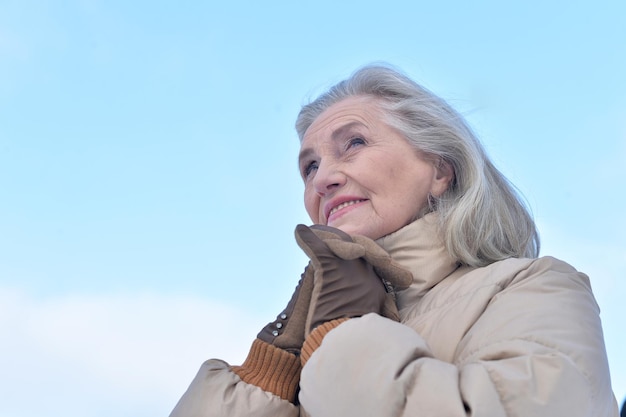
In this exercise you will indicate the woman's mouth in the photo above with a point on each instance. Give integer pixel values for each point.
(343, 205)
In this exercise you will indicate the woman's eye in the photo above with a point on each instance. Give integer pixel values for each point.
(308, 169)
(356, 142)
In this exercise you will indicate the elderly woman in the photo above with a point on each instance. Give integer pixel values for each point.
(424, 294)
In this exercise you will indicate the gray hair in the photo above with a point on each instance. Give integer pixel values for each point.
(482, 216)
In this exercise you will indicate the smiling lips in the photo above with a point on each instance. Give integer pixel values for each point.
(343, 205)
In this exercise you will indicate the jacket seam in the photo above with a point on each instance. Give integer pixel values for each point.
(457, 297)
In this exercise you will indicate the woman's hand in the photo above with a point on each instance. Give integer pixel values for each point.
(353, 276)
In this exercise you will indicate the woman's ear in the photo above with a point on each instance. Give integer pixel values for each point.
(443, 177)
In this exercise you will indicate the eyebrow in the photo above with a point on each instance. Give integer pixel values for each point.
(306, 152)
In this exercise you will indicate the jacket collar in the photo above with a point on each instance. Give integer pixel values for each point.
(419, 247)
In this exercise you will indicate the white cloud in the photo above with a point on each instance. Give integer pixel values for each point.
(110, 355)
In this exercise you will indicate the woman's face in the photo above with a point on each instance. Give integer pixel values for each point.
(361, 175)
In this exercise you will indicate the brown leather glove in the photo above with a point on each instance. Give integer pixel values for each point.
(287, 331)
(273, 363)
(353, 276)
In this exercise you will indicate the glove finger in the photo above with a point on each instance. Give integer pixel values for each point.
(399, 277)
(312, 245)
(339, 242)
(345, 250)
(384, 265)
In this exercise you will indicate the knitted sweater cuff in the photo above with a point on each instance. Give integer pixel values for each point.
(314, 339)
(272, 369)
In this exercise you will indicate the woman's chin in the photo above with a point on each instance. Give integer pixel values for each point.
(356, 229)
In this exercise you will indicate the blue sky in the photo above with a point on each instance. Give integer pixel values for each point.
(148, 181)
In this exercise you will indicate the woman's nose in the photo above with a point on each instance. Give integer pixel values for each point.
(328, 178)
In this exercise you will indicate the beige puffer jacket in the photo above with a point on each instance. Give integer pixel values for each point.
(520, 337)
